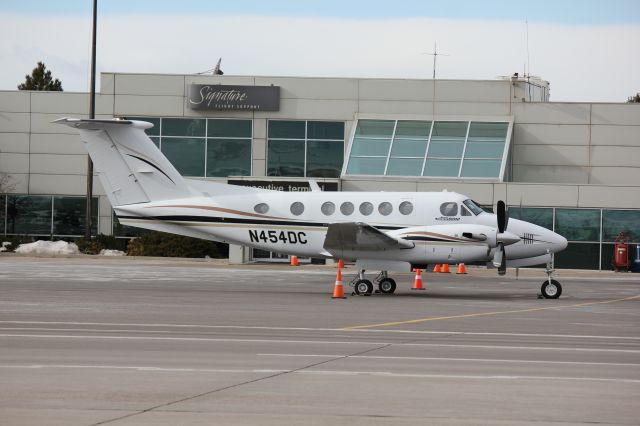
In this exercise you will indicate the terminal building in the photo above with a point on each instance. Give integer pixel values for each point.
(571, 167)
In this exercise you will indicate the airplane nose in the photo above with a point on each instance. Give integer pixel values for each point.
(559, 242)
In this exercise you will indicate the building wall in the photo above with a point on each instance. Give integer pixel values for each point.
(563, 154)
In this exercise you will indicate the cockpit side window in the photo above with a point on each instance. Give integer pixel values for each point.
(465, 211)
(449, 209)
(475, 209)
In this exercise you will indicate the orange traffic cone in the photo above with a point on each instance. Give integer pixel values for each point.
(437, 268)
(340, 263)
(417, 282)
(461, 269)
(294, 260)
(445, 268)
(338, 288)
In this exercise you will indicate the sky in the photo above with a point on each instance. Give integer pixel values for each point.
(588, 50)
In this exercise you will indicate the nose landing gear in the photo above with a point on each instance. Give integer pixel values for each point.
(551, 289)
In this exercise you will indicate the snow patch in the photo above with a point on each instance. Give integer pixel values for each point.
(108, 252)
(48, 248)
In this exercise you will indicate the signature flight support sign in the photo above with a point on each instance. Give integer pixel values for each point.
(233, 98)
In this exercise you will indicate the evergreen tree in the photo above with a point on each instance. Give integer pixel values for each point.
(634, 99)
(40, 79)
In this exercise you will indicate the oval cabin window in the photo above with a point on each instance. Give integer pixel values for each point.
(261, 208)
(449, 209)
(328, 208)
(347, 208)
(297, 208)
(366, 208)
(385, 208)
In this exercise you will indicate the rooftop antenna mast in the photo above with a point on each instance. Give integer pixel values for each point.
(526, 22)
(435, 55)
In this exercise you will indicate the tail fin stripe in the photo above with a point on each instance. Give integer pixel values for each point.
(152, 165)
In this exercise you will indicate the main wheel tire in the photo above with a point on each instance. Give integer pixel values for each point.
(387, 285)
(551, 290)
(363, 287)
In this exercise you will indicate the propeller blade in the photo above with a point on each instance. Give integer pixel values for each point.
(502, 216)
(500, 259)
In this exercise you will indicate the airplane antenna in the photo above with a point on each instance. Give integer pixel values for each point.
(215, 70)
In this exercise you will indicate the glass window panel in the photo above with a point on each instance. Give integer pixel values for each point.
(448, 129)
(406, 207)
(228, 157)
(155, 130)
(28, 215)
(3, 207)
(481, 168)
(616, 221)
(542, 217)
(223, 128)
(346, 208)
(120, 230)
(69, 215)
(413, 129)
(606, 263)
(186, 155)
(404, 167)
(366, 208)
(488, 130)
(446, 149)
(408, 148)
(325, 158)
(435, 167)
(366, 166)
(325, 130)
(578, 224)
(370, 147)
(578, 256)
(155, 140)
(328, 208)
(484, 150)
(375, 128)
(183, 126)
(285, 158)
(281, 129)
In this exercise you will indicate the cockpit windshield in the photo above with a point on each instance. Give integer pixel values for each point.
(473, 207)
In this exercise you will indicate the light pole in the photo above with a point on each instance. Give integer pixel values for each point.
(92, 114)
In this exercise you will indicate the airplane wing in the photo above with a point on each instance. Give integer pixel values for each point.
(360, 236)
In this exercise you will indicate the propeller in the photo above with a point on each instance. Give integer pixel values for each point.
(503, 238)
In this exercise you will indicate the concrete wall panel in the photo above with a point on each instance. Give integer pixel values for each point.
(301, 109)
(57, 184)
(545, 155)
(14, 101)
(259, 149)
(14, 163)
(59, 164)
(551, 113)
(312, 88)
(170, 106)
(625, 197)
(149, 84)
(480, 192)
(18, 183)
(550, 134)
(259, 167)
(615, 156)
(542, 195)
(107, 83)
(394, 107)
(471, 91)
(626, 114)
(42, 143)
(615, 175)
(395, 90)
(551, 174)
(14, 142)
(615, 135)
(471, 108)
(14, 122)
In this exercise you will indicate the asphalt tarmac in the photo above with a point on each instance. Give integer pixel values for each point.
(91, 341)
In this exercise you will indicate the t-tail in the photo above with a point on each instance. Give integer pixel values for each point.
(130, 167)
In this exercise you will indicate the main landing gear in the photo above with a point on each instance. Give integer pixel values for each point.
(551, 289)
(364, 287)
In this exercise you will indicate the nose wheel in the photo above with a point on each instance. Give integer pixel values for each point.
(551, 289)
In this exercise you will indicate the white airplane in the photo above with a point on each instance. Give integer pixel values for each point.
(381, 231)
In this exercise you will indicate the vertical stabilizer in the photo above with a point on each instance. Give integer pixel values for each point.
(129, 165)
